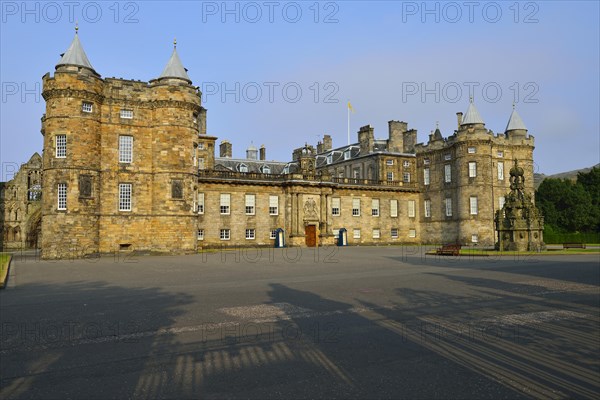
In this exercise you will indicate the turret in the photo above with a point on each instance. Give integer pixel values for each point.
(515, 127)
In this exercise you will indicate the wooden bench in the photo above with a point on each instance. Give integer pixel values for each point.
(573, 245)
(449, 250)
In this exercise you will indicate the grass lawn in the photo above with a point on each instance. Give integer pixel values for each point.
(4, 259)
(481, 252)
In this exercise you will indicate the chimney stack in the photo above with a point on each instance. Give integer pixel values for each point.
(459, 116)
(263, 153)
(225, 149)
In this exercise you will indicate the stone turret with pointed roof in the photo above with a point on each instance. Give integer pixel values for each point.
(174, 68)
(75, 55)
(515, 126)
(472, 116)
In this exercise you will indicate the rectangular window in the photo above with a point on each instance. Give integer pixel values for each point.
(329, 159)
(201, 163)
(448, 204)
(60, 142)
(426, 176)
(406, 177)
(393, 208)
(376, 234)
(412, 233)
(375, 207)
(427, 206)
(347, 154)
(225, 203)
(273, 234)
(447, 157)
(390, 176)
(251, 234)
(124, 196)
(472, 169)
(126, 114)
(447, 173)
(250, 204)
(86, 107)
(411, 209)
(335, 206)
(177, 189)
(273, 205)
(356, 174)
(426, 161)
(201, 146)
(225, 234)
(200, 234)
(474, 238)
(500, 154)
(356, 233)
(200, 203)
(389, 162)
(501, 201)
(336, 233)
(500, 171)
(471, 150)
(125, 149)
(473, 205)
(355, 207)
(406, 164)
(394, 233)
(62, 196)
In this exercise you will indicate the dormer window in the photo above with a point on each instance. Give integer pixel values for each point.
(266, 169)
(127, 114)
(243, 168)
(286, 169)
(347, 154)
(329, 158)
(86, 107)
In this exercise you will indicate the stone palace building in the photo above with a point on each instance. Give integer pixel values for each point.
(128, 166)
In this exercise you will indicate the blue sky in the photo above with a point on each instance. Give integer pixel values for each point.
(280, 73)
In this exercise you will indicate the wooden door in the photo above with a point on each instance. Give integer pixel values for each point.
(310, 235)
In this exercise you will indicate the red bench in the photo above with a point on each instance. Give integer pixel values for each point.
(449, 250)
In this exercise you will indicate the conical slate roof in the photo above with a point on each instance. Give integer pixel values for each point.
(472, 115)
(174, 68)
(75, 55)
(515, 122)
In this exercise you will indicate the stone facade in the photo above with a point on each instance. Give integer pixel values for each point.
(128, 166)
(20, 210)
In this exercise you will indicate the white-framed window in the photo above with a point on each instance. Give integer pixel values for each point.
(426, 161)
(201, 164)
(225, 234)
(273, 205)
(124, 196)
(394, 233)
(273, 234)
(500, 171)
(500, 154)
(250, 234)
(356, 207)
(393, 208)
(86, 106)
(347, 154)
(427, 208)
(243, 168)
(390, 176)
(406, 164)
(389, 162)
(472, 169)
(250, 204)
(336, 206)
(471, 150)
(406, 177)
(375, 207)
(329, 158)
(266, 169)
(412, 233)
(201, 146)
(125, 149)
(336, 233)
(376, 233)
(225, 203)
(126, 114)
(448, 206)
(501, 201)
(356, 233)
(62, 196)
(60, 142)
(447, 173)
(447, 157)
(286, 170)
(195, 118)
(200, 234)
(356, 173)
(200, 203)
(474, 238)
(426, 176)
(473, 207)
(411, 209)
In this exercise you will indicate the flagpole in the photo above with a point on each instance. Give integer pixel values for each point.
(348, 111)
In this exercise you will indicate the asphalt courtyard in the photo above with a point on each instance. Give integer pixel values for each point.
(354, 322)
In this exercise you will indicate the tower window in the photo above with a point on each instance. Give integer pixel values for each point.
(126, 114)
(60, 142)
(62, 196)
(124, 196)
(86, 107)
(472, 169)
(125, 149)
(473, 206)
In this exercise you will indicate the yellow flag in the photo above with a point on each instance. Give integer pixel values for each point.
(350, 107)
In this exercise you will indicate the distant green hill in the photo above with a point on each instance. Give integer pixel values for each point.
(572, 175)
